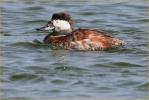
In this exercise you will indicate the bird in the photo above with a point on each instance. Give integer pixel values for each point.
(63, 35)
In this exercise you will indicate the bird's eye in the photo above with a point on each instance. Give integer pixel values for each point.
(49, 24)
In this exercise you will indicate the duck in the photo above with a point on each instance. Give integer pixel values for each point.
(62, 35)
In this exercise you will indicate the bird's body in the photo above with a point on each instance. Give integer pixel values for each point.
(84, 39)
(80, 39)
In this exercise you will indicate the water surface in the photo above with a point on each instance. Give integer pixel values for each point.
(34, 70)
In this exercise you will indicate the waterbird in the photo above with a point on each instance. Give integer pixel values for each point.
(63, 35)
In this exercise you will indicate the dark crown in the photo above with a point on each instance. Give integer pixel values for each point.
(62, 16)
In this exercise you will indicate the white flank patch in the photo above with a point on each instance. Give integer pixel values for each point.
(61, 25)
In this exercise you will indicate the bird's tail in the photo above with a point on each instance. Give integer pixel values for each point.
(117, 42)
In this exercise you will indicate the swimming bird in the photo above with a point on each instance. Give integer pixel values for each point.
(63, 35)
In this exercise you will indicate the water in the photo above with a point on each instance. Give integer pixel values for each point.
(33, 70)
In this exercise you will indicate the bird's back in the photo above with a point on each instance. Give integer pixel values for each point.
(84, 39)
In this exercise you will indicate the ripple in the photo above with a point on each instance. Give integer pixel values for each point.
(34, 44)
(34, 8)
(35, 21)
(23, 77)
(59, 81)
(98, 75)
(5, 33)
(55, 91)
(125, 64)
(128, 83)
(103, 89)
(128, 73)
(142, 20)
(70, 71)
(143, 87)
(88, 13)
(69, 68)
(78, 83)
(132, 30)
(120, 50)
(38, 69)
(117, 64)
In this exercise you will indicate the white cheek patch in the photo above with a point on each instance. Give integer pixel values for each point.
(61, 25)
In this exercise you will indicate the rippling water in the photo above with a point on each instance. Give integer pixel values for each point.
(34, 70)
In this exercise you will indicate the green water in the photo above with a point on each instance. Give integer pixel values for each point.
(33, 70)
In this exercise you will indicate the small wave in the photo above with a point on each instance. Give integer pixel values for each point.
(69, 68)
(141, 20)
(35, 21)
(121, 50)
(34, 8)
(88, 13)
(23, 76)
(59, 81)
(106, 89)
(38, 69)
(98, 75)
(34, 44)
(128, 83)
(117, 64)
(125, 64)
(78, 83)
(54, 91)
(137, 6)
(5, 34)
(143, 87)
